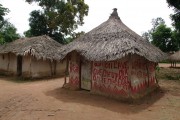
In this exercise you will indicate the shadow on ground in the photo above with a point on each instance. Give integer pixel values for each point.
(87, 98)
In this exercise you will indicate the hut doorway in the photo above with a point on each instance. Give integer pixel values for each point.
(86, 75)
(19, 65)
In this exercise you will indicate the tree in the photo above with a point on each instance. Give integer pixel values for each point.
(7, 30)
(175, 18)
(174, 3)
(58, 18)
(146, 36)
(8, 33)
(163, 38)
(155, 23)
(3, 12)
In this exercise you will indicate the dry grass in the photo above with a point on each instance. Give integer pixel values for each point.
(168, 73)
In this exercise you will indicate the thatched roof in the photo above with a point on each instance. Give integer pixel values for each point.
(41, 47)
(175, 56)
(113, 40)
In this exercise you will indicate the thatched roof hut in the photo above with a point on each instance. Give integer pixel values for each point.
(41, 47)
(113, 40)
(32, 57)
(175, 57)
(113, 60)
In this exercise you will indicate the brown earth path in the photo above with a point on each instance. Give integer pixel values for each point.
(46, 100)
(168, 65)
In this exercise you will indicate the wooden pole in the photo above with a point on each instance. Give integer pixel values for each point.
(8, 62)
(30, 64)
(147, 71)
(155, 74)
(66, 71)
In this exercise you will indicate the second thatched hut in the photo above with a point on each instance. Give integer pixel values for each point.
(174, 58)
(34, 57)
(113, 60)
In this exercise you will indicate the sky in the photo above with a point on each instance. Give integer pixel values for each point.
(136, 14)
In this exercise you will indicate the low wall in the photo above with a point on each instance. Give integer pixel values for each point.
(8, 64)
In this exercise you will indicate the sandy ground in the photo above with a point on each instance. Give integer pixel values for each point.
(168, 65)
(46, 100)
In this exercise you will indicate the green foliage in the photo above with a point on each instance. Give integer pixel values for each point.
(162, 38)
(7, 30)
(158, 68)
(168, 74)
(27, 33)
(155, 23)
(176, 16)
(3, 12)
(170, 77)
(58, 18)
(8, 33)
(174, 3)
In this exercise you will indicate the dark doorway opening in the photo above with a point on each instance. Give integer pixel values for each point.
(19, 65)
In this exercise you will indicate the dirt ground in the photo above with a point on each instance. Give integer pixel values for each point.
(168, 64)
(47, 100)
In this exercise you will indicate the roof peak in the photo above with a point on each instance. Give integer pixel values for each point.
(114, 14)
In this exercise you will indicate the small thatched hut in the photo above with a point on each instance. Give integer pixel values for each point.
(113, 60)
(174, 58)
(32, 57)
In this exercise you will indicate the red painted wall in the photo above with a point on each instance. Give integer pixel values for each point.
(111, 77)
(126, 77)
(142, 74)
(74, 72)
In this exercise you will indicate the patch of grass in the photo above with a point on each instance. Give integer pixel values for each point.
(168, 73)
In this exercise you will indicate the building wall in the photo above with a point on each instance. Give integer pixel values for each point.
(8, 63)
(86, 79)
(26, 63)
(61, 67)
(130, 77)
(142, 76)
(40, 68)
(12, 63)
(74, 71)
(111, 78)
(3, 62)
(31, 67)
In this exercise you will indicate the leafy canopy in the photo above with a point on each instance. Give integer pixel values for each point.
(58, 18)
(175, 4)
(155, 23)
(8, 32)
(3, 12)
(163, 38)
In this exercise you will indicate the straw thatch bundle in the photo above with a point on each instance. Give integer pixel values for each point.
(41, 47)
(175, 57)
(113, 40)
